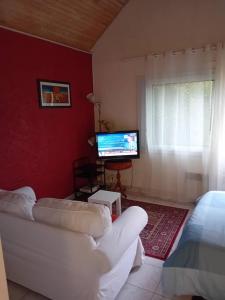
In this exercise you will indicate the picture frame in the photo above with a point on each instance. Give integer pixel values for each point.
(54, 94)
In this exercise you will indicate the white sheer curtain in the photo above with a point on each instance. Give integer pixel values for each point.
(184, 124)
(215, 157)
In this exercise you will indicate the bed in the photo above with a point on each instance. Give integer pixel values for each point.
(197, 266)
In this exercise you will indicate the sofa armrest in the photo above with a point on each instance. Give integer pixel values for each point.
(124, 231)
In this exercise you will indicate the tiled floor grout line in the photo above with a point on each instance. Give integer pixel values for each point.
(155, 259)
(141, 288)
(159, 294)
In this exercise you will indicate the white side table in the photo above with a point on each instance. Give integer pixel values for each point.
(107, 198)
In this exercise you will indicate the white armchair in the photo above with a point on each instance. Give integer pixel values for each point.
(63, 264)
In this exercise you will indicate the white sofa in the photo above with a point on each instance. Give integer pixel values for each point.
(63, 264)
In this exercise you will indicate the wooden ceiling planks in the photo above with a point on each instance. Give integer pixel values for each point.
(74, 23)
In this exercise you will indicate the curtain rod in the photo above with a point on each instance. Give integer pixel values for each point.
(213, 46)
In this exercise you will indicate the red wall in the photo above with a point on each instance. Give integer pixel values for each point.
(38, 145)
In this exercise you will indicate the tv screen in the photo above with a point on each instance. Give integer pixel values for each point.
(118, 145)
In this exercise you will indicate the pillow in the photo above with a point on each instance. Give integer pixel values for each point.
(27, 190)
(17, 203)
(89, 218)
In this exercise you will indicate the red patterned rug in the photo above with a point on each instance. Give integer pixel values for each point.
(164, 223)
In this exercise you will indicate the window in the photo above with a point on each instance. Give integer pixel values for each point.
(180, 115)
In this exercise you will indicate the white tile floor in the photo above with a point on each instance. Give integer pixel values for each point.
(143, 283)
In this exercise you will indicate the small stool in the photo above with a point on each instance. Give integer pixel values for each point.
(107, 198)
(118, 165)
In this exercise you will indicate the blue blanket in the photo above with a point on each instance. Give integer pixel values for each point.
(201, 252)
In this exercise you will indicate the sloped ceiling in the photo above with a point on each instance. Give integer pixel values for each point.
(74, 23)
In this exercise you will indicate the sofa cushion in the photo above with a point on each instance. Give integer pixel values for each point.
(18, 202)
(92, 219)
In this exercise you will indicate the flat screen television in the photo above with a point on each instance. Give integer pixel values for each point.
(118, 144)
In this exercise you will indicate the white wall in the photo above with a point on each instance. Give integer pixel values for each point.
(142, 27)
(145, 26)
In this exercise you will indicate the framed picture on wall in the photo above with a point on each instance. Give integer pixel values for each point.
(54, 93)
